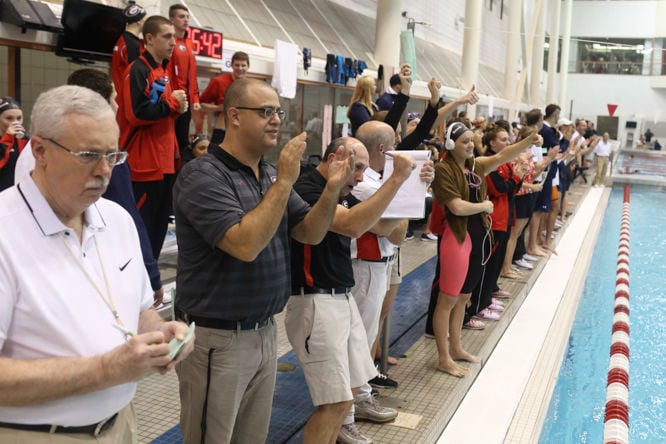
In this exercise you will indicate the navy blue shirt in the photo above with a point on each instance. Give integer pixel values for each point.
(550, 136)
(212, 194)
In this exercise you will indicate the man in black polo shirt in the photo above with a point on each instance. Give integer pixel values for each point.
(234, 217)
(322, 321)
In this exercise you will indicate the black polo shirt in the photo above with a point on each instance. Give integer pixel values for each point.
(328, 264)
(213, 193)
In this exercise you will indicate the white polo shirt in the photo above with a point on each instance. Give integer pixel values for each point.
(372, 180)
(603, 149)
(24, 164)
(50, 308)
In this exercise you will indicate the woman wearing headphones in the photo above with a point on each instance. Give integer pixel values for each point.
(460, 186)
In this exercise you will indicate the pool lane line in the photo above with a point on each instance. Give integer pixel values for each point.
(616, 420)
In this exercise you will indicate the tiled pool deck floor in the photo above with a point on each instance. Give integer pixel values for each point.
(433, 397)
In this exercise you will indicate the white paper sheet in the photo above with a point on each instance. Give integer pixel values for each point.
(409, 202)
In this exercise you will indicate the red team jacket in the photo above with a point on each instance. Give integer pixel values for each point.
(146, 118)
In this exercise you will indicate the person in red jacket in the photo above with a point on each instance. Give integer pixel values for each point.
(183, 75)
(12, 139)
(212, 98)
(129, 46)
(146, 118)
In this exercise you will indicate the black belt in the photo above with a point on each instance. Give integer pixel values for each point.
(92, 429)
(317, 290)
(221, 324)
(383, 259)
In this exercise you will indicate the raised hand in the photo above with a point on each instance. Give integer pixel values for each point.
(433, 86)
(427, 173)
(471, 97)
(289, 163)
(405, 75)
(341, 168)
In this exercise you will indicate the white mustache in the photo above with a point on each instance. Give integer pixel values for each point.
(100, 182)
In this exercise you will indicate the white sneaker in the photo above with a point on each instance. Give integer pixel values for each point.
(496, 307)
(350, 434)
(429, 237)
(488, 314)
(530, 258)
(524, 264)
(558, 223)
(497, 302)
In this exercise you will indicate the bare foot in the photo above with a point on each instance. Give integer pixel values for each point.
(390, 360)
(511, 275)
(550, 247)
(537, 252)
(452, 368)
(462, 355)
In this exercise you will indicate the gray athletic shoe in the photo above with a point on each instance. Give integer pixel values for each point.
(350, 434)
(370, 410)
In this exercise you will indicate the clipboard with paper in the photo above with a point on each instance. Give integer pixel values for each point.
(409, 202)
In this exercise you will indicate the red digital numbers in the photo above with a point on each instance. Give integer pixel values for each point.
(206, 42)
(194, 36)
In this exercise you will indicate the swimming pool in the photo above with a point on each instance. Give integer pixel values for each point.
(576, 412)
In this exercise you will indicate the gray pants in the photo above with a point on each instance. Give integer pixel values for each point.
(238, 397)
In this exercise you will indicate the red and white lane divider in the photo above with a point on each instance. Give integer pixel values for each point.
(616, 421)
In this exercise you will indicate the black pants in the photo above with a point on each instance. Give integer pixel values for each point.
(482, 293)
(153, 199)
(183, 136)
(434, 293)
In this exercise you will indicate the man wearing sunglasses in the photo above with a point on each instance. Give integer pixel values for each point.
(77, 326)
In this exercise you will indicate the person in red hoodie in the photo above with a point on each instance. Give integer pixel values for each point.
(183, 75)
(148, 109)
(12, 139)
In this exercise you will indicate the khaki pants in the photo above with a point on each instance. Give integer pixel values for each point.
(243, 365)
(123, 431)
(602, 167)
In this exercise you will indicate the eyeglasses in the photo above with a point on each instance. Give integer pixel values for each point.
(92, 157)
(267, 111)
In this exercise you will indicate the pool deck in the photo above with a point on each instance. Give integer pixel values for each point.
(504, 399)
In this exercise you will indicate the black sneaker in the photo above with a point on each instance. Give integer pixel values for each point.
(382, 381)
(409, 235)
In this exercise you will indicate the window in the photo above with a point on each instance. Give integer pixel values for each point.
(611, 56)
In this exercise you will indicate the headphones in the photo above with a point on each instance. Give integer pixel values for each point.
(450, 144)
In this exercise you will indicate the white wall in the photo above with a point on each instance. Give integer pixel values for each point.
(617, 19)
(635, 98)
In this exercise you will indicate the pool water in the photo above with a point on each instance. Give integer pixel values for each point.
(576, 412)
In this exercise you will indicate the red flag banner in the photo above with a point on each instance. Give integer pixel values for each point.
(611, 109)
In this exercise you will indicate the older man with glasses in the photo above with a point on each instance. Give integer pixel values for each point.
(77, 327)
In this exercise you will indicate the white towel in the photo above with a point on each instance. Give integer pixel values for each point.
(285, 69)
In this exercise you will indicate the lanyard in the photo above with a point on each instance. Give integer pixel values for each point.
(106, 298)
